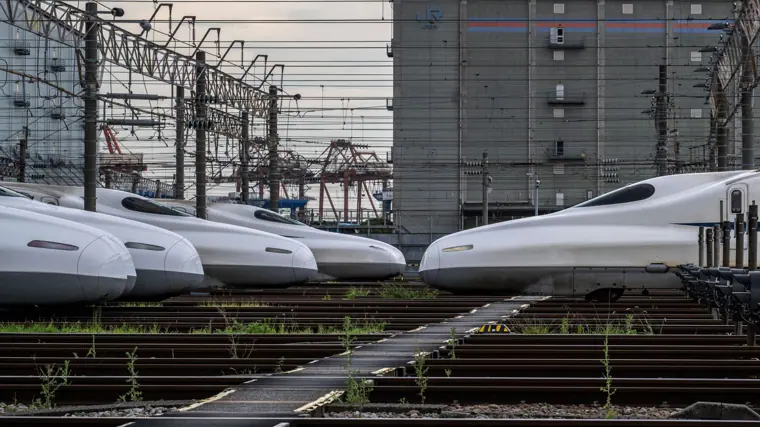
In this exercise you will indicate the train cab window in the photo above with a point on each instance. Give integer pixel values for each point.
(736, 201)
(6, 192)
(270, 216)
(145, 206)
(630, 194)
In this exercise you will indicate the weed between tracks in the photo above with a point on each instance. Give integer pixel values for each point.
(357, 392)
(52, 378)
(263, 327)
(233, 304)
(134, 394)
(395, 291)
(574, 324)
(391, 291)
(627, 325)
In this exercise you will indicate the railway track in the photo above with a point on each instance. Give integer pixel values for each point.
(662, 351)
(403, 422)
(101, 351)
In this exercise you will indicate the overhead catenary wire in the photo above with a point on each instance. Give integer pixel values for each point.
(309, 122)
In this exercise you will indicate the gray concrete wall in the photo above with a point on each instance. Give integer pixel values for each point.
(55, 146)
(425, 103)
(508, 76)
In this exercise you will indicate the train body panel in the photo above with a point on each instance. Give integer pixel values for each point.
(337, 255)
(625, 239)
(47, 260)
(232, 256)
(166, 263)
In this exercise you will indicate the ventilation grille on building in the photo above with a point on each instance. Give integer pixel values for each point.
(609, 172)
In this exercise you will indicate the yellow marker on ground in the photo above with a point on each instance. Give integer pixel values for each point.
(489, 328)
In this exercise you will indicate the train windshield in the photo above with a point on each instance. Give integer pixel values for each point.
(145, 206)
(270, 216)
(630, 194)
(7, 192)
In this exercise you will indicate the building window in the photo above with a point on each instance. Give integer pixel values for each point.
(560, 199)
(559, 55)
(696, 9)
(559, 113)
(696, 113)
(627, 8)
(557, 35)
(560, 90)
(559, 169)
(560, 8)
(589, 194)
(696, 56)
(559, 147)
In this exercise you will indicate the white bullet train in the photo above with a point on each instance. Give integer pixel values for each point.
(627, 239)
(231, 256)
(339, 256)
(48, 261)
(166, 263)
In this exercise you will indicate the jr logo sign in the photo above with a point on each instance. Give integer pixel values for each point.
(431, 18)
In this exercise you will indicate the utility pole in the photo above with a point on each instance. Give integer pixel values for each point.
(274, 171)
(711, 145)
(200, 135)
(301, 190)
(747, 86)
(535, 197)
(179, 184)
(91, 106)
(661, 122)
(721, 133)
(23, 144)
(244, 143)
(484, 166)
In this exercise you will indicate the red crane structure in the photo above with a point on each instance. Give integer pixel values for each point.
(294, 169)
(343, 163)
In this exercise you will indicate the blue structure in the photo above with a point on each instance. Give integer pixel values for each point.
(151, 194)
(291, 204)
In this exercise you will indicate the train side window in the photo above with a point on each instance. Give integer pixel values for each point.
(266, 215)
(736, 201)
(145, 206)
(630, 194)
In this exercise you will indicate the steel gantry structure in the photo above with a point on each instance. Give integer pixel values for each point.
(732, 79)
(105, 42)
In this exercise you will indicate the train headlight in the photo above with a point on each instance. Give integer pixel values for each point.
(144, 246)
(278, 251)
(458, 248)
(43, 244)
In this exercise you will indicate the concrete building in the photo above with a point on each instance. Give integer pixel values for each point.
(39, 81)
(551, 89)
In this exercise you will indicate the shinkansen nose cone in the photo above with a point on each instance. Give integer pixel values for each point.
(184, 270)
(105, 272)
(430, 265)
(304, 264)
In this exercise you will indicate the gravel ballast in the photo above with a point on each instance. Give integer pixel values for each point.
(527, 410)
